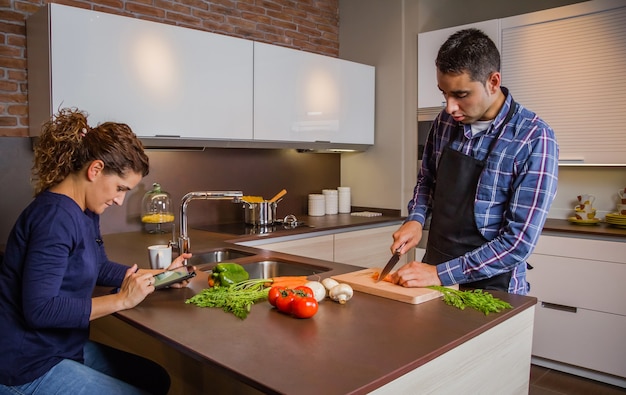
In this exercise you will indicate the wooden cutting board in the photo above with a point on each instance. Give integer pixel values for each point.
(363, 281)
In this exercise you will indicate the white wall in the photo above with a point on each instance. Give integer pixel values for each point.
(383, 33)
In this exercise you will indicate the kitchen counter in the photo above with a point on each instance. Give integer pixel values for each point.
(370, 344)
(336, 223)
(601, 230)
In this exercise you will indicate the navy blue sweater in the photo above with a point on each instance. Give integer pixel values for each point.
(54, 258)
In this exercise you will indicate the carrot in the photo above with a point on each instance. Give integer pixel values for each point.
(376, 274)
(287, 281)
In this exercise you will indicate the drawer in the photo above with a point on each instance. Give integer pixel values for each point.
(588, 339)
(596, 250)
(319, 247)
(582, 283)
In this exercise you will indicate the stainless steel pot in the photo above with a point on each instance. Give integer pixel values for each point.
(260, 214)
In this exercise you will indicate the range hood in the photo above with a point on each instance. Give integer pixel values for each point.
(176, 143)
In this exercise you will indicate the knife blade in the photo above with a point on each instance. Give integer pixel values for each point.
(390, 264)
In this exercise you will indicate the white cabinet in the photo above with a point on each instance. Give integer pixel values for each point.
(318, 247)
(367, 248)
(160, 79)
(301, 96)
(581, 315)
(549, 57)
(428, 43)
(169, 82)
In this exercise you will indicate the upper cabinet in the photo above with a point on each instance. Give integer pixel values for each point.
(567, 65)
(162, 80)
(428, 43)
(301, 96)
(177, 86)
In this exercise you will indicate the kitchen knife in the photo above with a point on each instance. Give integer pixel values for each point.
(392, 262)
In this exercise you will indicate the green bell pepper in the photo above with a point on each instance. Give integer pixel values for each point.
(227, 274)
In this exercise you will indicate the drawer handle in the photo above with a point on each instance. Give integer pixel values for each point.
(560, 307)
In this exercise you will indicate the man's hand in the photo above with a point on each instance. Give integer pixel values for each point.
(416, 274)
(409, 234)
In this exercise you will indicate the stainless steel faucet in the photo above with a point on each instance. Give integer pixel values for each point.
(183, 244)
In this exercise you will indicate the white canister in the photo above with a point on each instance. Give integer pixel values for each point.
(317, 205)
(344, 200)
(331, 197)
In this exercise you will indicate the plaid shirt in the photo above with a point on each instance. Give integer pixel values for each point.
(513, 197)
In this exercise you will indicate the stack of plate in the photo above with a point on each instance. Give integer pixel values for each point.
(616, 219)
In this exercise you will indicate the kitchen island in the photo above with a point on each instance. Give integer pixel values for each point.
(369, 345)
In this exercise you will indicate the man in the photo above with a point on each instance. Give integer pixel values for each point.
(488, 178)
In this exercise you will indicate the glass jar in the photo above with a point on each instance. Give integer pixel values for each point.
(156, 210)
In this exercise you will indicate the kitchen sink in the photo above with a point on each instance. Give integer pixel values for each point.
(215, 256)
(267, 268)
(275, 268)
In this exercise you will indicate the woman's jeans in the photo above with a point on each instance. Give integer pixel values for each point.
(106, 371)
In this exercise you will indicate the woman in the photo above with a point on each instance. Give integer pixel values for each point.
(55, 257)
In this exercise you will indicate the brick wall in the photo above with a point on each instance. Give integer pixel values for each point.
(309, 25)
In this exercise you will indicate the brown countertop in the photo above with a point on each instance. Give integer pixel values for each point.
(344, 349)
(341, 350)
(601, 229)
(335, 222)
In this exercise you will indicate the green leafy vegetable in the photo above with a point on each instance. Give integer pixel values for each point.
(237, 299)
(476, 299)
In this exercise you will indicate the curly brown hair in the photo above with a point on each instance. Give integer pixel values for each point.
(67, 144)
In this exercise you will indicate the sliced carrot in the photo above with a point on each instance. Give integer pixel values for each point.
(376, 274)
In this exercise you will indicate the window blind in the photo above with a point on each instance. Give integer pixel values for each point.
(572, 73)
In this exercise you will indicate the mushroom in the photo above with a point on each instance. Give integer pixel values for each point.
(341, 293)
(329, 283)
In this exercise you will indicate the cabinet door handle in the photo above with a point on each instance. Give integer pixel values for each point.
(560, 307)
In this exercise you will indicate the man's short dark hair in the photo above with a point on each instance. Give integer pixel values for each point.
(469, 51)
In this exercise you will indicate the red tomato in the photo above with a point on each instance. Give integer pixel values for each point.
(284, 300)
(305, 307)
(303, 291)
(274, 294)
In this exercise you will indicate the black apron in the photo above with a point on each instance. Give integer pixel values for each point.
(453, 231)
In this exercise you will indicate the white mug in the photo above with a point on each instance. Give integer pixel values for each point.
(160, 256)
